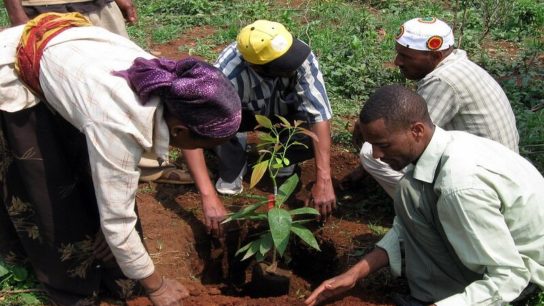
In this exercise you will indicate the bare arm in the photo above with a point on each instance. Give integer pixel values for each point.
(372, 262)
(214, 211)
(17, 15)
(322, 195)
(128, 9)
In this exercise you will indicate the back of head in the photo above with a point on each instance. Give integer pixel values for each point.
(397, 105)
(269, 43)
(194, 91)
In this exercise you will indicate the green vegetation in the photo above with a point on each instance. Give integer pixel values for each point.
(354, 41)
(273, 147)
(18, 287)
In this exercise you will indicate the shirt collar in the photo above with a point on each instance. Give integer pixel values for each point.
(427, 164)
(256, 79)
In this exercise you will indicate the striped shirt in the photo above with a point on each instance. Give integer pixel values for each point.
(463, 96)
(304, 93)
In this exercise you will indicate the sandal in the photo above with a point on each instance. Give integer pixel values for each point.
(169, 175)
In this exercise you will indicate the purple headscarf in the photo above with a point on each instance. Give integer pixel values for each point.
(194, 91)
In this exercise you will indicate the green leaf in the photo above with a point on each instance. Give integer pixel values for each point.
(29, 299)
(298, 143)
(277, 164)
(243, 249)
(258, 171)
(264, 121)
(306, 235)
(19, 273)
(244, 212)
(266, 138)
(304, 210)
(259, 217)
(253, 248)
(279, 221)
(286, 189)
(259, 257)
(3, 269)
(286, 161)
(285, 122)
(266, 243)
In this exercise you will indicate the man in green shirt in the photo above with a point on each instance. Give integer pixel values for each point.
(468, 211)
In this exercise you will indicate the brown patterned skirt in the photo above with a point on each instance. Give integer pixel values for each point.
(48, 215)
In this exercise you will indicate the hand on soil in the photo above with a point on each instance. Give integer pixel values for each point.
(214, 214)
(171, 293)
(322, 198)
(330, 288)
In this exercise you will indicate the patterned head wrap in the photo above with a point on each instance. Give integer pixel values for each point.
(425, 34)
(194, 91)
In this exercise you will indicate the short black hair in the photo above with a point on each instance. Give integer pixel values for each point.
(397, 105)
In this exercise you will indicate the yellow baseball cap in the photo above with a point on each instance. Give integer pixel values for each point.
(264, 42)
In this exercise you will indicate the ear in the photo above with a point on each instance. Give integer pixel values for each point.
(418, 130)
(436, 57)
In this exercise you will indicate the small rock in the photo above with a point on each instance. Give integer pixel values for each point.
(155, 52)
(214, 291)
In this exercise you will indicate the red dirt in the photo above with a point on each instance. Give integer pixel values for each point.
(181, 249)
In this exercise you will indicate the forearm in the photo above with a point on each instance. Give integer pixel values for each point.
(197, 165)
(16, 12)
(370, 263)
(322, 150)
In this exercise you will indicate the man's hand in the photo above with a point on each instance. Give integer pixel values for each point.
(214, 214)
(332, 287)
(322, 198)
(128, 10)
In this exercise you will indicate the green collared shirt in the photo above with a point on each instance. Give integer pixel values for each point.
(490, 207)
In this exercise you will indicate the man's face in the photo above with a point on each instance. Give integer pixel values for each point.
(395, 147)
(414, 64)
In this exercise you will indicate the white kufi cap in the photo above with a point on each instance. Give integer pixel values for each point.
(425, 34)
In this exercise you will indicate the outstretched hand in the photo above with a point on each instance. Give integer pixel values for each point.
(332, 287)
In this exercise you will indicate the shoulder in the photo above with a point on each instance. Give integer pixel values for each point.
(466, 157)
(230, 62)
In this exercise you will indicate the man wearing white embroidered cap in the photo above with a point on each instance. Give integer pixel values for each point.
(460, 95)
(276, 74)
